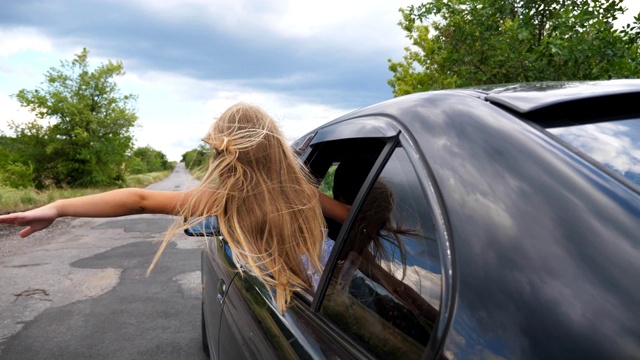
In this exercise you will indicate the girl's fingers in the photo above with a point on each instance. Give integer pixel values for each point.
(26, 232)
(8, 219)
(33, 223)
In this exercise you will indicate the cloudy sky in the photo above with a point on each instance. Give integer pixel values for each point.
(187, 60)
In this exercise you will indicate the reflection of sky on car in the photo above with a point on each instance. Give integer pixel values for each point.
(614, 144)
(467, 341)
(424, 282)
(412, 215)
(417, 274)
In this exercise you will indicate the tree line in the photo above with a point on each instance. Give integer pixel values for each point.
(460, 43)
(197, 159)
(81, 134)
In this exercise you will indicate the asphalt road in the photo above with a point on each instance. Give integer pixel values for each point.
(82, 292)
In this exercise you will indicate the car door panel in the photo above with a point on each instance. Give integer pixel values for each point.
(218, 273)
(252, 329)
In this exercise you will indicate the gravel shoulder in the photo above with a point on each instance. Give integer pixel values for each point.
(11, 244)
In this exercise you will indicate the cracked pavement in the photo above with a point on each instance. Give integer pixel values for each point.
(81, 291)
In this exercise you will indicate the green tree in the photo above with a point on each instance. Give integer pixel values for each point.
(147, 159)
(15, 172)
(88, 134)
(197, 158)
(7, 145)
(457, 43)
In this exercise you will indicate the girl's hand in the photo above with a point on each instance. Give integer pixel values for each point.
(35, 220)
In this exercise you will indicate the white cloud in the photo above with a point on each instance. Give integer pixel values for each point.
(176, 111)
(358, 26)
(17, 40)
(11, 111)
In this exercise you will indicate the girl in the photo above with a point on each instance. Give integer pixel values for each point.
(268, 209)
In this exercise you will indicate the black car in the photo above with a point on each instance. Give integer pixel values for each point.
(513, 232)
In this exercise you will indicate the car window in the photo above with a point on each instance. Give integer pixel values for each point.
(614, 144)
(385, 290)
(355, 155)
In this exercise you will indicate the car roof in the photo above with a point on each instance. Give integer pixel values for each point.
(547, 104)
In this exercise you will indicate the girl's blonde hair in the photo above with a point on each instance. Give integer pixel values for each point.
(266, 203)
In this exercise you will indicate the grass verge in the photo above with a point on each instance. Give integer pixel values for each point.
(12, 200)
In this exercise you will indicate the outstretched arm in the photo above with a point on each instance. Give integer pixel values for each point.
(108, 204)
(333, 209)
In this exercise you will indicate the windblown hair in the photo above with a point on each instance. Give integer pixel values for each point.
(266, 203)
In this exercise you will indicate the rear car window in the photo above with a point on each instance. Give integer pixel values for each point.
(385, 291)
(615, 145)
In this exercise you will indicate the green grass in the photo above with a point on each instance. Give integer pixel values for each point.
(144, 180)
(23, 199)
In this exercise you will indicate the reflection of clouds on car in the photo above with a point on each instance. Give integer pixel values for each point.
(615, 144)
(425, 282)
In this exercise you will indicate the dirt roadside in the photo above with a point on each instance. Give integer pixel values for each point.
(12, 244)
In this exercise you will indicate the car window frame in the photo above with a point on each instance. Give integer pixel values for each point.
(444, 237)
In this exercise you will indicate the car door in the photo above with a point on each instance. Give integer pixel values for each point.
(218, 273)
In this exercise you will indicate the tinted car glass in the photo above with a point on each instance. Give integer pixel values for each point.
(615, 145)
(385, 291)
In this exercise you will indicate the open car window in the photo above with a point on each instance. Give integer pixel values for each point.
(355, 158)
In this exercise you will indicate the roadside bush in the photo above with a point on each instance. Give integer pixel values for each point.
(17, 175)
(147, 160)
(195, 159)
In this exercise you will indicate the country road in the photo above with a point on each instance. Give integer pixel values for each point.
(78, 290)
